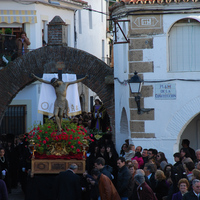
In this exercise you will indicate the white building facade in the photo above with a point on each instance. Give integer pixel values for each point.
(163, 49)
(86, 30)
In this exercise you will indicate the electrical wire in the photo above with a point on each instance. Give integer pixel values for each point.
(159, 81)
(90, 9)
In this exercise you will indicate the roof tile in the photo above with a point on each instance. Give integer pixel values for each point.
(122, 2)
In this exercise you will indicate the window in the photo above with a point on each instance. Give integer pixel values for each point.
(14, 120)
(184, 46)
(44, 33)
(90, 19)
(79, 20)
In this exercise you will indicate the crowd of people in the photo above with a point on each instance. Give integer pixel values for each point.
(15, 164)
(97, 119)
(136, 173)
(140, 174)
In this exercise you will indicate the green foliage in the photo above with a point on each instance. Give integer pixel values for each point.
(8, 31)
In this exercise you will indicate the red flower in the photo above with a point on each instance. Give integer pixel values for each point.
(46, 132)
(75, 138)
(47, 139)
(49, 126)
(47, 145)
(39, 145)
(69, 142)
(70, 137)
(78, 150)
(40, 131)
(38, 128)
(38, 137)
(79, 142)
(72, 146)
(44, 141)
(78, 137)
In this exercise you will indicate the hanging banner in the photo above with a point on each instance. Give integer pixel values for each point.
(48, 96)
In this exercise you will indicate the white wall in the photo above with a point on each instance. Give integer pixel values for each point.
(90, 40)
(29, 96)
(171, 116)
(121, 71)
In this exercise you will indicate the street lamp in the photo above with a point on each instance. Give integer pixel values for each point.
(136, 85)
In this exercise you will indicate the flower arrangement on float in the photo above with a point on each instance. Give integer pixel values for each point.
(46, 141)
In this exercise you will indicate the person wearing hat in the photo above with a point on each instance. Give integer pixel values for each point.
(68, 184)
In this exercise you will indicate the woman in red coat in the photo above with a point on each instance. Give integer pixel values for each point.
(143, 190)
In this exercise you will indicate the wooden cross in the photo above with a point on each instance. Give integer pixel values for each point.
(60, 66)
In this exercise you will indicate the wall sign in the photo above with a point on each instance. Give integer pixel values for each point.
(166, 91)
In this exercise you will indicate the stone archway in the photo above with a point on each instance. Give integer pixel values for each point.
(16, 75)
(181, 119)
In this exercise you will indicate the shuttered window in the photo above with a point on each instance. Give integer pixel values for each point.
(14, 120)
(184, 46)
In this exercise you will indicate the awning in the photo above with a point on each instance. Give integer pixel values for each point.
(18, 16)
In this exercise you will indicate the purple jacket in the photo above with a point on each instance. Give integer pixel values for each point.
(3, 191)
(177, 196)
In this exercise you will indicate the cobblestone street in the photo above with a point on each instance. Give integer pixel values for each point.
(16, 194)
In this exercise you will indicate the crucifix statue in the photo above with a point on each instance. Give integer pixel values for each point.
(61, 102)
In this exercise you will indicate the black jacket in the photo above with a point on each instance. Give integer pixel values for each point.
(190, 196)
(123, 180)
(106, 170)
(161, 189)
(68, 186)
(152, 181)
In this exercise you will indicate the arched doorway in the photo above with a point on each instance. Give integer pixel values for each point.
(192, 133)
(124, 133)
(185, 124)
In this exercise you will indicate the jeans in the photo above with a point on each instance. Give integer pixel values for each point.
(124, 198)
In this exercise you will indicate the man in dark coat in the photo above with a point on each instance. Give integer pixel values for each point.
(195, 193)
(186, 144)
(123, 178)
(149, 170)
(143, 190)
(68, 184)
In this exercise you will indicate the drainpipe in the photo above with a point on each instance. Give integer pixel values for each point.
(75, 33)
